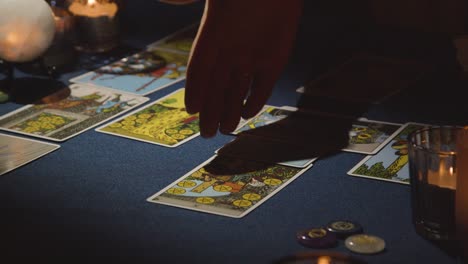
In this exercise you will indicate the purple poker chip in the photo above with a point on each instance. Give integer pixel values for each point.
(316, 238)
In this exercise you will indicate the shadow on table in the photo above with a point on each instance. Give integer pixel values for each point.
(33, 90)
(326, 111)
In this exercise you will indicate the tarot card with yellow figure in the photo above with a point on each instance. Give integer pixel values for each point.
(85, 107)
(227, 186)
(163, 122)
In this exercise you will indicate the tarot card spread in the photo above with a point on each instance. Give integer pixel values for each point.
(84, 108)
(164, 122)
(227, 186)
(365, 136)
(16, 151)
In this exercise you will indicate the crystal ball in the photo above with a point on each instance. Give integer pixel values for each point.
(27, 29)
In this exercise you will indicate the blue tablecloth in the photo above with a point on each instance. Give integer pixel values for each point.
(86, 202)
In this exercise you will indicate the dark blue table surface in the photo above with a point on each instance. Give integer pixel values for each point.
(86, 202)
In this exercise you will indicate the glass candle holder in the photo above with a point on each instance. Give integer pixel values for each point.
(96, 24)
(433, 173)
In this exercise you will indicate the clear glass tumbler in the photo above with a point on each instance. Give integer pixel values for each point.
(433, 179)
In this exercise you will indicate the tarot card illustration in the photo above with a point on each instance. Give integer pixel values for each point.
(181, 41)
(391, 162)
(84, 108)
(16, 151)
(141, 73)
(268, 115)
(164, 122)
(215, 186)
(369, 136)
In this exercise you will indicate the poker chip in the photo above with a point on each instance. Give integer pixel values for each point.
(365, 244)
(344, 228)
(316, 238)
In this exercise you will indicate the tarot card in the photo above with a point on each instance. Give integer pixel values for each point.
(391, 162)
(16, 151)
(300, 90)
(227, 186)
(141, 73)
(268, 115)
(85, 107)
(163, 122)
(369, 136)
(181, 41)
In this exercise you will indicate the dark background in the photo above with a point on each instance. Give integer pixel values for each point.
(85, 203)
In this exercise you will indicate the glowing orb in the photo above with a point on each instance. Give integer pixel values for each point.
(27, 28)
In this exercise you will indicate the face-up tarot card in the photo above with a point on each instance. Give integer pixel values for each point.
(16, 151)
(163, 122)
(365, 136)
(85, 107)
(181, 41)
(227, 186)
(391, 162)
(369, 136)
(268, 115)
(142, 73)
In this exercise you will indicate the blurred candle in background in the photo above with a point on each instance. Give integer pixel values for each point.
(97, 26)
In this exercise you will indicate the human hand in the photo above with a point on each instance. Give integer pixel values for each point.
(239, 53)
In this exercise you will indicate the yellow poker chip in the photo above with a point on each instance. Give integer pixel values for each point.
(365, 244)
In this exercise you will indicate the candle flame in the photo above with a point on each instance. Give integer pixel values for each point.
(12, 38)
(324, 260)
(91, 2)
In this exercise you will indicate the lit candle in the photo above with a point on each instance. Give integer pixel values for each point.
(94, 9)
(96, 24)
(461, 194)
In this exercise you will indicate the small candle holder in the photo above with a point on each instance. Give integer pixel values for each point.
(96, 24)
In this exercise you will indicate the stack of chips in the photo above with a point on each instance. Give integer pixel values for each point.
(350, 231)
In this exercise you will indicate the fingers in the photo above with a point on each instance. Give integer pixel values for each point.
(234, 100)
(260, 91)
(213, 105)
(200, 67)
